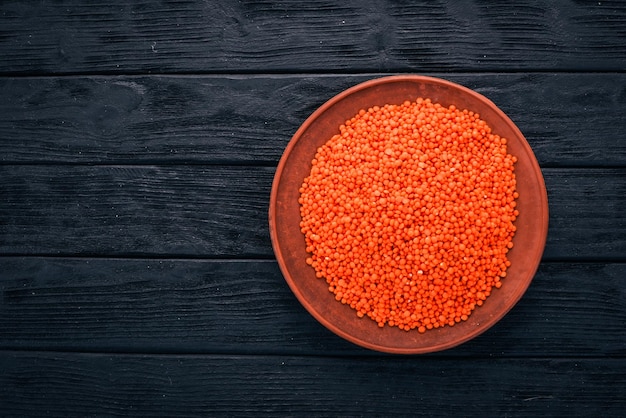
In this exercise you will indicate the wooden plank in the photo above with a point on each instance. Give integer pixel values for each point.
(216, 211)
(250, 119)
(135, 211)
(74, 384)
(245, 307)
(577, 226)
(198, 36)
(151, 119)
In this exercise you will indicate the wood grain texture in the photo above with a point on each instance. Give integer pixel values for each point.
(295, 36)
(135, 211)
(72, 384)
(579, 203)
(218, 211)
(246, 307)
(568, 119)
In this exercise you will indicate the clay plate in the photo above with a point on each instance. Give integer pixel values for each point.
(289, 245)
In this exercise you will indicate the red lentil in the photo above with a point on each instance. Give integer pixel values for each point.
(408, 214)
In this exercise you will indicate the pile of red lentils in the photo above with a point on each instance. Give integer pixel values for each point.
(408, 214)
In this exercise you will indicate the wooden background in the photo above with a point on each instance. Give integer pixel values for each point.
(138, 142)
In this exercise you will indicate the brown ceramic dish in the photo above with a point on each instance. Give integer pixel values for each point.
(289, 245)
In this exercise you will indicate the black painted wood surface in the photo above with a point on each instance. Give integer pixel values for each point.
(293, 36)
(180, 385)
(245, 307)
(568, 118)
(138, 142)
(221, 211)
